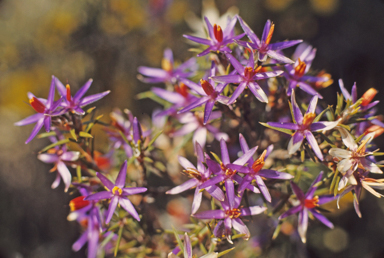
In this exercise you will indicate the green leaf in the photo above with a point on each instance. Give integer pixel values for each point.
(287, 131)
(120, 234)
(78, 173)
(339, 106)
(277, 230)
(85, 135)
(73, 134)
(151, 95)
(216, 157)
(54, 145)
(44, 135)
(335, 190)
(106, 240)
(178, 239)
(154, 138)
(325, 138)
(291, 109)
(225, 252)
(318, 117)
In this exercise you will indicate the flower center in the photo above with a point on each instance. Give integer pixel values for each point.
(308, 119)
(228, 172)
(207, 87)
(233, 214)
(259, 163)
(218, 32)
(300, 68)
(312, 203)
(192, 172)
(118, 189)
(182, 89)
(37, 105)
(166, 65)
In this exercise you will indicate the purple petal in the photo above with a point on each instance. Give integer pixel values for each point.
(315, 147)
(232, 78)
(214, 214)
(229, 29)
(320, 217)
(36, 129)
(209, 27)
(303, 224)
(289, 126)
(184, 186)
(70, 156)
(47, 123)
(187, 246)
(111, 208)
(323, 126)
(344, 91)
(237, 92)
(279, 57)
(92, 98)
(245, 157)
(284, 44)
(133, 190)
(308, 89)
(168, 55)
(186, 129)
(299, 193)
(80, 242)
(239, 168)
(29, 120)
(169, 96)
(65, 174)
(312, 105)
(230, 191)
(327, 198)
(217, 231)
(56, 182)
(236, 64)
(127, 205)
(253, 210)
(198, 40)
(267, 173)
(121, 177)
(213, 166)
(200, 136)
(48, 158)
(295, 142)
(263, 188)
(80, 93)
(312, 188)
(186, 164)
(243, 143)
(99, 196)
(208, 109)
(291, 211)
(296, 110)
(137, 131)
(152, 72)
(224, 152)
(195, 104)
(51, 94)
(196, 200)
(106, 182)
(212, 181)
(251, 35)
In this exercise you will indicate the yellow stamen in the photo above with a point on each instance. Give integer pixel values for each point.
(166, 65)
(116, 188)
(259, 163)
(300, 68)
(270, 33)
(68, 92)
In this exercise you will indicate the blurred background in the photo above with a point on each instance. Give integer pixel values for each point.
(107, 41)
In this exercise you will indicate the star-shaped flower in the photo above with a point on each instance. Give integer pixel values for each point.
(117, 194)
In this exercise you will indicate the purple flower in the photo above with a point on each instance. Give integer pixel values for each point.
(59, 156)
(198, 176)
(295, 73)
(168, 73)
(117, 194)
(263, 46)
(230, 217)
(45, 109)
(308, 203)
(246, 77)
(224, 173)
(209, 94)
(304, 126)
(194, 123)
(76, 102)
(218, 39)
(254, 170)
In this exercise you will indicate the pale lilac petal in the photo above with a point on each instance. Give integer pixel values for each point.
(327, 198)
(93, 240)
(215, 192)
(344, 91)
(315, 147)
(296, 110)
(127, 205)
(186, 164)
(267, 173)
(65, 174)
(168, 55)
(253, 210)
(370, 166)
(233, 78)
(263, 188)
(228, 31)
(340, 153)
(258, 92)
(80, 93)
(308, 89)
(111, 208)
(213, 166)
(266, 75)
(291, 211)
(239, 168)
(92, 98)
(133, 190)
(198, 40)
(80, 242)
(213, 214)
(56, 182)
(187, 246)
(184, 186)
(324, 126)
(200, 136)
(186, 129)
(196, 200)
(195, 104)
(251, 35)
(48, 158)
(70, 156)
(295, 142)
(99, 196)
(29, 120)
(105, 181)
(60, 87)
(312, 105)
(299, 193)
(245, 157)
(243, 143)
(152, 72)
(121, 177)
(239, 226)
(320, 217)
(169, 96)
(235, 63)
(237, 92)
(303, 224)
(279, 57)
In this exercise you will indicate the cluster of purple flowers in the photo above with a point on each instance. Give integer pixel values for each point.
(217, 106)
